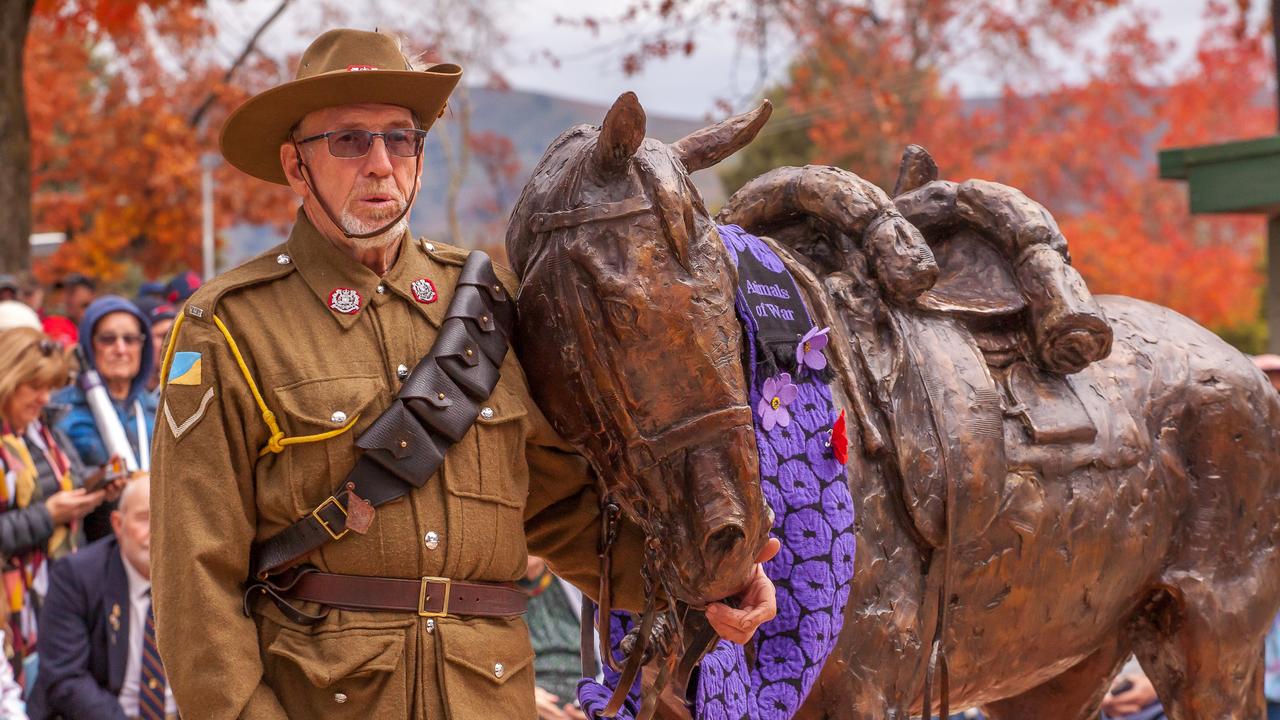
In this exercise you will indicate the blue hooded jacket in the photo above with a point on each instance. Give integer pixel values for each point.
(78, 424)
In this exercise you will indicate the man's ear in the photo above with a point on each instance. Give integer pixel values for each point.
(289, 162)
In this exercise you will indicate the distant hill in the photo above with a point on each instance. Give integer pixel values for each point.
(531, 121)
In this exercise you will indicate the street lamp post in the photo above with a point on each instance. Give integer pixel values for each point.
(208, 162)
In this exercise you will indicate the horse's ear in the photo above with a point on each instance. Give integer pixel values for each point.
(708, 146)
(621, 133)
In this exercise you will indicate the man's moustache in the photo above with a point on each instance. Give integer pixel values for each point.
(392, 192)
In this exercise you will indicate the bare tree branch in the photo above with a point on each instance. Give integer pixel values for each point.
(249, 47)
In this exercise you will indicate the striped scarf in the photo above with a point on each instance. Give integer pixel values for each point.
(22, 573)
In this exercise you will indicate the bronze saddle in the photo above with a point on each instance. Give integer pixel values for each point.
(961, 381)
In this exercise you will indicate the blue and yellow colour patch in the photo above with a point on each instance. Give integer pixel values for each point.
(185, 369)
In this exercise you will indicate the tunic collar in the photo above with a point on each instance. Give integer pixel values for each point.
(345, 287)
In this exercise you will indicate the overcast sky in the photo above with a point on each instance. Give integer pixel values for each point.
(685, 86)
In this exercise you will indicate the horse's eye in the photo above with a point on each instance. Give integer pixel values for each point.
(622, 316)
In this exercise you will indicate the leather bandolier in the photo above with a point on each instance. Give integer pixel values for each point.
(403, 448)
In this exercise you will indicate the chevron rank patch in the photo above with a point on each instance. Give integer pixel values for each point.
(180, 428)
(185, 369)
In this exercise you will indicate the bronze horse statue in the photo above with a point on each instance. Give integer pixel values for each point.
(1045, 482)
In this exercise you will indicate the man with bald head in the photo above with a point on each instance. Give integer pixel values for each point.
(349, 470)
(98, 655)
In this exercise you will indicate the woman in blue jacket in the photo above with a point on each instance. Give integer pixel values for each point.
(116, 339)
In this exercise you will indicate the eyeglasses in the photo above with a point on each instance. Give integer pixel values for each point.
(109, 339)
(401, 142)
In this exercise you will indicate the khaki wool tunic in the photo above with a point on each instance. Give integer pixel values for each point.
(218, 487)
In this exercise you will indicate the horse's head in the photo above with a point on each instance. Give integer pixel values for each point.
(630, 339)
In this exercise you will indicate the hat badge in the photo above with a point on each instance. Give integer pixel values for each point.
(424, 291)
(345, 301)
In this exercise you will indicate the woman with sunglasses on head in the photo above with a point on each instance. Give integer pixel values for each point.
(115, 338)
(40, 505)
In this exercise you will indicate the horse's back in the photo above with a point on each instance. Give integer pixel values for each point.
(1216, 418)
(1185, 366)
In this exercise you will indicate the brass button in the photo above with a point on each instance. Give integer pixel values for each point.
(431, 539)
(404, 444)
(402, 371)
(498, 670)
(484, 318)
(431, 625)
(470, 352)
(153, 684)
(338, 416)
(428, 246)
(487, 413)
(339, 698)
(283, 259)
(381, 289)
(440, 395)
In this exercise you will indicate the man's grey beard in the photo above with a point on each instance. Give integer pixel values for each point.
(356, 226)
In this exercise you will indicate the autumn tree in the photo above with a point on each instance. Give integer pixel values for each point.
(496, 155)
(121, 115)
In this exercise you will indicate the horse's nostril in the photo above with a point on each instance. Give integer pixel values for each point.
(723, 541)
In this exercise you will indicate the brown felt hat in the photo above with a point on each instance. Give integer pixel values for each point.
(341, 67)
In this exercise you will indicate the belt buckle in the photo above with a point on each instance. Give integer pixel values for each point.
(323, 523)
(422, 597)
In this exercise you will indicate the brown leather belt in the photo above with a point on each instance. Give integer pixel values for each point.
(428, 596)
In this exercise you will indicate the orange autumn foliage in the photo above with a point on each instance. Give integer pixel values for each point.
(1085, 99)
(111, 88)
(1084, 146)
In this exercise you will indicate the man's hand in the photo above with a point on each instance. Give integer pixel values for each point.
(1132, 700)
(549, 708)
(757, 602)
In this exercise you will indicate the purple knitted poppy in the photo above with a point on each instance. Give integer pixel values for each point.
(809, 349)
(777, 394)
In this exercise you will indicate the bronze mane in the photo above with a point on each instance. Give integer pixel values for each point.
(1083, 489)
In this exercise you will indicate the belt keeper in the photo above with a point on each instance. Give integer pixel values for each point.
(287, 608)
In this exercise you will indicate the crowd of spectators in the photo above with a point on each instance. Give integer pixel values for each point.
(74, 508)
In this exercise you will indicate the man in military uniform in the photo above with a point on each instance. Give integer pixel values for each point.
(360, 602)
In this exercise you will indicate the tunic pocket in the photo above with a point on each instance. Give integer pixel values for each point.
(314, 407)
(504, 472)
(315, 674)
(488, 669)
(487, 478)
